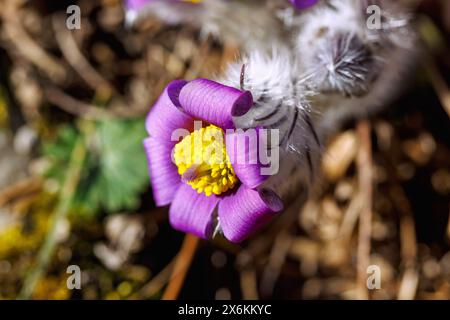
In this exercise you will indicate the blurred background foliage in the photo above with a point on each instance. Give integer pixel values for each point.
(74, 186)
(114, 173)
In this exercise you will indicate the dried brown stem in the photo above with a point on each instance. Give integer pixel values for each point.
(351, 216)
(27, 47)
(156, 283)
(197, 60)
(74, 106)
(439, 84)
(88, 111)
(76, 59)
(181, 267)
(408, 243)
(277, 259)
(264, 241)
(364, 163)
(249, 284)
(20, 189)
(410, 276)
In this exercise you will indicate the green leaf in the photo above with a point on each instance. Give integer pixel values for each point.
(115, 171)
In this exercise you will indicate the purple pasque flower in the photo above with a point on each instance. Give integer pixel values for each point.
(303, 4)
(194, 192)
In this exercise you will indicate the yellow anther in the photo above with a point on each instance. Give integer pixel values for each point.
(203, 162)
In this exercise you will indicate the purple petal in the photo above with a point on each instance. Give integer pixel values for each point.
(243, 150)
(246, 211)
(164, 175)
(303, 4)
(215, 103)
(166, 116)
(136, 4)
(192, 212)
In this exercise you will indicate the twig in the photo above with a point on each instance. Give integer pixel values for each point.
(351, 216)
(74, 106)
(249, 284)
(181, 267)
(20, 189)
(439, 84)
(27, 47)
(410, 276)
(24, 202)
(68, 190)
(156, 283)
(264, 240)
(408, 284)
(86, 110)
(364, 163)
(230, 53)
(277, 259)
(197, 64)
(76, 59)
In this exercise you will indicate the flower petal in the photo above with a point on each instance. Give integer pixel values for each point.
(164, 176)
(136, 4)
(303, 4)
(192, 212)
(245, 211)
(215, 103)
(166, 116)
(243, 150)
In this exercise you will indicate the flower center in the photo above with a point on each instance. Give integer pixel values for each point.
(203, 162)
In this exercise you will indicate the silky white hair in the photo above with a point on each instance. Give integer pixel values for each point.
(356, 70)
(331, 69)
(280, 102)
(172, 13)
(248, 24)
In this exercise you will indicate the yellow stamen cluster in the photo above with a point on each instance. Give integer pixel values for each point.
(203, 162)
